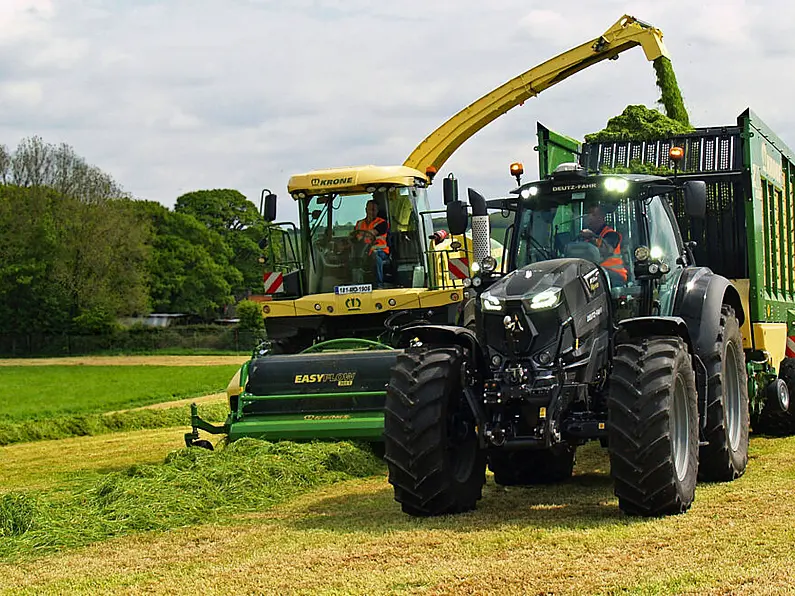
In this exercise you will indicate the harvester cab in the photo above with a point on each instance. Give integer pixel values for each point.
(604, 329)
(363, 250)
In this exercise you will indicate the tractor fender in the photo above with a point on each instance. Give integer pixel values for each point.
(448, 335)
(648, 326)
(699, 298)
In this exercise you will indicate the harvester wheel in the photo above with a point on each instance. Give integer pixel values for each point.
(725, 456)
(203, 443)
(653, 426)
(536, 466)
(432, 452)
(774, 419)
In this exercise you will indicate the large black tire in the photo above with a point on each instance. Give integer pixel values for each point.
(432, 452)
(653, 426)
(537, 466)
(725, 456)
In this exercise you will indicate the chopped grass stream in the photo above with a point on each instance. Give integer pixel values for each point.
(192, 486)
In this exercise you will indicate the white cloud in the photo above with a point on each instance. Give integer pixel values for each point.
(174, 95)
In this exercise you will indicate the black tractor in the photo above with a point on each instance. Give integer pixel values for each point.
(600, 328)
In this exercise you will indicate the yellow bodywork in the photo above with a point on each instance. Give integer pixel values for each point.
(377, 301)
(771, 337)
(352, 180)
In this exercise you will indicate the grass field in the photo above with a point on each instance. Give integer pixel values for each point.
(48, 391)
(133, 512)
(351, 538)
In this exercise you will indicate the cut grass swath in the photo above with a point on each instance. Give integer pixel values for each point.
(192, 486)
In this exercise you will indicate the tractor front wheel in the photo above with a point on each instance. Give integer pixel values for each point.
(653, 426)
(432, 453)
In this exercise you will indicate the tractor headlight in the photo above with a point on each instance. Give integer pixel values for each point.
(549, 298)
(616, 184)
(490, 303)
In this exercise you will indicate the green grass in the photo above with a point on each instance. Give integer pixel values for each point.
(61, 427)
(45, 392)
(351, 538)
(192, 486)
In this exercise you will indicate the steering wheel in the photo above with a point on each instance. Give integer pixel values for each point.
(336, 253)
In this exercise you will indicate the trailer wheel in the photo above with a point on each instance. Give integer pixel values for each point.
(725, 456)
(776, 419)
(432, 452)
(536, 466)
(653, 426)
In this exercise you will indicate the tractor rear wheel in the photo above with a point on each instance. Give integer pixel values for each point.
(432, 452)
(653, 426)
(725, 456)
(536, 466)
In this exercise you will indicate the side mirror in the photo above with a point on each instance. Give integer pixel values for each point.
(268, 205)
(457, 217)
(695, 198)
(450, 189)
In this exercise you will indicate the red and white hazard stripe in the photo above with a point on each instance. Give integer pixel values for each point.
(274, 283)
(458, 267)
(790, 352)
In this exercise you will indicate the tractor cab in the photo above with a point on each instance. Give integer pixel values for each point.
(622, 223)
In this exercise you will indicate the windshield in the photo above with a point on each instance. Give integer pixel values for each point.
(371, 238)
(592, 225)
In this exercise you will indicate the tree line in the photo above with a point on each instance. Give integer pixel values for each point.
(77, 252)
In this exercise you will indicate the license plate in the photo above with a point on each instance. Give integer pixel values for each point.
(355, 289)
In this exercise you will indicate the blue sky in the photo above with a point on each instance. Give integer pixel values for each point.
(171, 96)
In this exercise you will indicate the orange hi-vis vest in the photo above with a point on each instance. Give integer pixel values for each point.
(380, 239)
(614, 262)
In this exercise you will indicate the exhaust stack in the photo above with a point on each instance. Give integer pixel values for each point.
(481, 233)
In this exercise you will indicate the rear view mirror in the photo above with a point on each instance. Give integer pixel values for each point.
(457, 217)
(268, 205)
(695, 198)
(450, 189)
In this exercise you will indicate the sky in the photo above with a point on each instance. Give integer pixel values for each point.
(171, 96)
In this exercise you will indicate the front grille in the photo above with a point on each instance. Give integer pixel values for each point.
(540, 330)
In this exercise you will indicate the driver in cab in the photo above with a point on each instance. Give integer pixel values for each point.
(372, 230)
(607, 240)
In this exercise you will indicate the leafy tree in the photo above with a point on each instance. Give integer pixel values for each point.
(189, 269)
(36, 163)
(237, 220)
(30, 300)
(250, 315)
(71, 252)
(5, 165)
(222, 210)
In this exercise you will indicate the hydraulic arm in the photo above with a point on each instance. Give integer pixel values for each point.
(626, 33)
